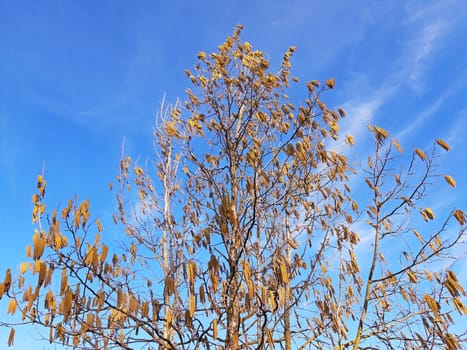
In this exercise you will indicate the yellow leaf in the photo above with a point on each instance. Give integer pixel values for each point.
(270, 338)
(460, 216)
(418, 235)
(12, 306)
(202, 294)
(23, 267)
(350, 140)
(7, 280)
(420, 153)
(428, 214)
(284, 274)
(272, 300)
(450, 180)
(397, 145)
(381, 134)
(37, 266)
(214, 329)
(11, 337)
(330, 83)
(443, 144)
(40, 180)
(334, 126)
(432, 304)
(99, 225)
(354, 206)
(170, 129)
(35, 198)
(192, 305)
(104, 252)
(412, 276)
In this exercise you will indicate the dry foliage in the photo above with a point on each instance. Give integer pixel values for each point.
(244, 236)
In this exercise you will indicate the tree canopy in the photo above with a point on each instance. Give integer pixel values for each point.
(245, 233)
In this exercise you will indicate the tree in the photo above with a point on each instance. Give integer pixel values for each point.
(245, 237)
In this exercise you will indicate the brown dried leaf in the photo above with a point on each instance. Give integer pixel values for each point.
(443, 144)
(350, 140)
(330, 83)
(429, 213)
(432, 304)
(11, 337)
(397, 145)
(450, 180)
(460, 216)
(420, 153)
(11, 306)
(412, 277)
(381, 134)
(99, 225)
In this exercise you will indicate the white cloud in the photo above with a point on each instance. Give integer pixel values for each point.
(422, 117)
(419, 50)
(456, 134)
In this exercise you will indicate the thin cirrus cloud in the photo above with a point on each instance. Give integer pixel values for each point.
(417, 53)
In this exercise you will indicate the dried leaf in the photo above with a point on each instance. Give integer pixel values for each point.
(354, 206)
(99, 225)
(28, 251)
(104, 253)
(443, 144)
(432, 304)
(192, 305)
(412, 276)
(11, 337)
(7, 280)
(429, 213)
(450, 180)
(460, 216)
(350, 140)
(381, 134)
(214, 329)
(12, 306)
(397, 145)
(420, 153)
(23, 267)
(330, 83)
(284, 273)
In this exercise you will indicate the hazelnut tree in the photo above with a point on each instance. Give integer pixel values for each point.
(243, 235)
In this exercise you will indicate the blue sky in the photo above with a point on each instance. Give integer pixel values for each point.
(78, 77)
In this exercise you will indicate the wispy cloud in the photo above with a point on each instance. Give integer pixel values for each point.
(429, 27)
(422, 117)
(419, 49)
(426, 30)
(456, 134)
(361, 112)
